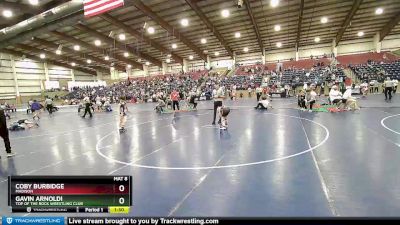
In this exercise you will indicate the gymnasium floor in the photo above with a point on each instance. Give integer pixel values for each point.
(283, 162)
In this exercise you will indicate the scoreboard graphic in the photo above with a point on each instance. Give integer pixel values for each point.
(75, 194)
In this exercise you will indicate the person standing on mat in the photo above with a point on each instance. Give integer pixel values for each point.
(219, 96)
(49, 105)
(175, 99)
(4, 134)
(87, 103)
(388, 88)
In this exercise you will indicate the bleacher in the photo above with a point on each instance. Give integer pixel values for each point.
(377, 71)
(363, 58)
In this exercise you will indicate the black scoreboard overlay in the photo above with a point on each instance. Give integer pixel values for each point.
(77, 194)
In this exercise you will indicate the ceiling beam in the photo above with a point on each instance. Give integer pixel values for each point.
(57, 57)
(101, 62)
(83, 44)
(117, 44)
(209, 25)
(138, 35)
(347, 21)
(56, 63)
(389, 26)
(255, 26)
(299, 24)
(147, 11)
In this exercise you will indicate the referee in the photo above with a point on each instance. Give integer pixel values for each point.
(219, 96)
(4, 133)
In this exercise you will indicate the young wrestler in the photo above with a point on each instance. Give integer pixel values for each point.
(123, 109)
(223, 113)
(263, 103)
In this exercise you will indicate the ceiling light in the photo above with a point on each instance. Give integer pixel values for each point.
(169, 55)
(139, 59)
(203, 40)
(216, 53)
(360, 34)
(58, 52)
(185, 22)
(317, 39)
(73, 64)
(225, 13)
(147, 63)
(237, 35)
(112, 68)
(277, 27)
(378, 11)
(42, 56)
(7, 13)
(150, 30)
(324, 19)
(97, 42)
(129, 66)
(106, 58)
(274, 3)
(34, 2)
(190, 57)
(122, 37)
(126, 54)
(174, 45)
(246, 49)
(77, 47)
(89, 61)
(279, 44)
(168, 60)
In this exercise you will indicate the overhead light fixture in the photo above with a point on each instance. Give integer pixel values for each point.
(58, 52)
(147, 63)
(279, 44)
(89, 61)
(34, 2)
(106, 58)
(174, 46)
(237, 35)
(317, 39)
(126, 54)
(274, 3)
(42, 56)
(73, 64)
(111, 34)
(139, 59)
(150, 30)
(378, 11)
(77, 47)
(360, 34)
(203, 41)
(225, 13)
(190, 57)
(7, 13)
(168, 60)
(324, 19)
(185, 22)
(97, 42)
(122, 37)
(145, 25)
(216, 53)
(246, 49)
(129, 66)
(112, 68)
(277, 27)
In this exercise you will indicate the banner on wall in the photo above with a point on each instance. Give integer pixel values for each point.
(48, 85)
(222, 64)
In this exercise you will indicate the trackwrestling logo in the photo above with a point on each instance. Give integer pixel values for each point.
(33, 220)
(9, 220)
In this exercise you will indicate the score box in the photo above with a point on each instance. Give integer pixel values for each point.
(68, 192)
